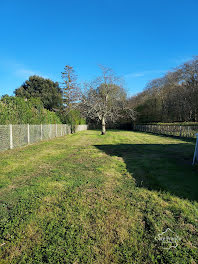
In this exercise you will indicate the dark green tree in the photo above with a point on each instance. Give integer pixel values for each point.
(48, 91)
(71, 90)
(71, 96)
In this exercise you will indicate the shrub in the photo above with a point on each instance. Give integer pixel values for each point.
(16, 110)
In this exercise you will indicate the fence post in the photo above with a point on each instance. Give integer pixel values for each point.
(180, 131)
(41, 132)
(56, 130)
(50, 131)
(195, 158)
(11, 137)
(28, 134)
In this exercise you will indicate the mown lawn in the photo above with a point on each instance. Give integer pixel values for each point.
(86, 198)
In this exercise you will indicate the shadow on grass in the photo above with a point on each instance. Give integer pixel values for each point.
(159, 167)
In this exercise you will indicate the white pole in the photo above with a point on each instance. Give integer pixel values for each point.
(56, 130)
(11, 137)
(41, 132)
(28, 133)
(196, 151)
(50, 131)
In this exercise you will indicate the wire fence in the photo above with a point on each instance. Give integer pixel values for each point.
(13, 136)
(79, 128)
(171, 130)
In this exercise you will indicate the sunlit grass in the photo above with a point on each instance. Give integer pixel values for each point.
(86, 198)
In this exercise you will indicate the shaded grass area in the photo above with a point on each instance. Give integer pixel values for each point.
(86, 198)
(161, 167)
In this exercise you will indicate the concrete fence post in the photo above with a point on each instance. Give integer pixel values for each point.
(41, 131)
(180, 131)
(50, 131)
(195, 158)
(28, 134)
(11, 137)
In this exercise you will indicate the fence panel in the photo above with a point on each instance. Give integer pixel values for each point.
(171, 130)
(19, 135)
(4, 137)
(12, 136)
(53, 130)
(46, 132)
(35, 133)
(59, 127)
(79, 128)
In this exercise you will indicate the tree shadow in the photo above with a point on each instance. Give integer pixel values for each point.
(165, 167)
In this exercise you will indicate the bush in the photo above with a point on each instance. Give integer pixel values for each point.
(72, 118)
(16, 110)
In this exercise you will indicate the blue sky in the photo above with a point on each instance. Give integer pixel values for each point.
(140, 40)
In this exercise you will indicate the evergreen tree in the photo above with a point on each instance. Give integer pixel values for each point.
(46, 90)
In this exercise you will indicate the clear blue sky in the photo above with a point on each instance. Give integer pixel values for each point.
(140, 40)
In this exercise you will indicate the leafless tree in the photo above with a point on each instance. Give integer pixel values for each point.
(105, 99)
(172, 98)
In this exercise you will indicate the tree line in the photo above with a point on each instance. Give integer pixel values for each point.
(38, 100)
(102, 101)
(172, 98)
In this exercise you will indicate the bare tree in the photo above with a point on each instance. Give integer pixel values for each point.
(105, 99)
(172, 98)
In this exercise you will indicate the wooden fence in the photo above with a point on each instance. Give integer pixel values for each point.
(171, 130)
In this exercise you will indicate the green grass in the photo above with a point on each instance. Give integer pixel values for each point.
(86, 198)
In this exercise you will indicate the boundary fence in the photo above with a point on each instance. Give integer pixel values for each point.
(13, 136)
(170, 130)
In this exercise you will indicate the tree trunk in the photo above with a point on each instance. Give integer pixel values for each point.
(103, 126)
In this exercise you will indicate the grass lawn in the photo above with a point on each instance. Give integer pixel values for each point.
(86, 198)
